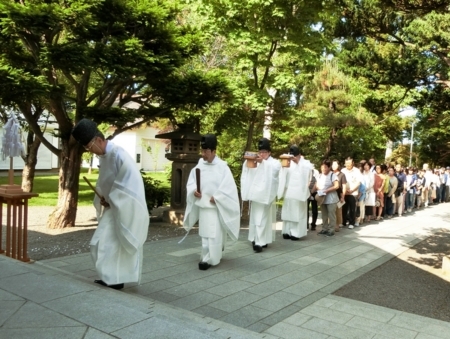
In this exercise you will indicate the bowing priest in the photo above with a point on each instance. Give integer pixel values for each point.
(294, 188)
(212, 200)
(123, 219)
(259, 186)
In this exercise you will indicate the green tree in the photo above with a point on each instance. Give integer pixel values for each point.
(402, 45)
(431, 131)
(269, 46)
(330, 120)
(89, 59)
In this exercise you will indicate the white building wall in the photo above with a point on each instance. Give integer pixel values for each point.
(153, 151)
(154, 160)
(55, 159)
(127, 141)
(136, 143)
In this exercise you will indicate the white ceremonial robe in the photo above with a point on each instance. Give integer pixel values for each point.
(215, 220)
(116, 246)
(294, 188)
(259, 186)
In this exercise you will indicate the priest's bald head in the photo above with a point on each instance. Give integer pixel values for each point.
(209, 145)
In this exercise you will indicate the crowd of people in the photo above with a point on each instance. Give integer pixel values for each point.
(376, 191)
(347, 196)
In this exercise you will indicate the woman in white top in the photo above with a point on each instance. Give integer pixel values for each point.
(370, 193)
(327, 184)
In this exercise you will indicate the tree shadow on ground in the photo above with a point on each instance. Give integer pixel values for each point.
(48, 243)
(432, 250)
(403, 285)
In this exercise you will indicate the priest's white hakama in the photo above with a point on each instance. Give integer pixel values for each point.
(116, 246)
(294, 188)
(259, 186)
(215, 220)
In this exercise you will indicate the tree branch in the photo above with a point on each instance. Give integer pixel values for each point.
(273, 48)
(98, 92)
(71, 79)
(255, 73)
(137, 124)
(442, 55)
(83, 88)
(112, 95)
(27, 113)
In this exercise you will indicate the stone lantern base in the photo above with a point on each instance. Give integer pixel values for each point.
(174, 217)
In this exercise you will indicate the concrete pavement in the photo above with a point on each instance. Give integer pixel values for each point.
(283, 292)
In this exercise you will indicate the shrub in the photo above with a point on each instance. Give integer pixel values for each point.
(168, 171)
(155, 194)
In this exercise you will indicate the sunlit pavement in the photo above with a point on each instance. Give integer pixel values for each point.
(283, 292)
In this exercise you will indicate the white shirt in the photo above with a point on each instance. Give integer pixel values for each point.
(324, 182)
(354, 179)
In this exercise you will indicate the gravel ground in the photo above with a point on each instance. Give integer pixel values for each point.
(412, 282)
(44, 243)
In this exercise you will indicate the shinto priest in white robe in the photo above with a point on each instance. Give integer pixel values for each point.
(259, 186)
(293, 187)
(116, 246)
(215, 220)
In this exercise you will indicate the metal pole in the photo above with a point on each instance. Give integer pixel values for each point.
(411, 146)
(11, 171)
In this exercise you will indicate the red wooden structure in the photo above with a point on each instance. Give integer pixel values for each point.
(16, 224)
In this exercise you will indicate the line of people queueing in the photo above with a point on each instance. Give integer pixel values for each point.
(346, 197)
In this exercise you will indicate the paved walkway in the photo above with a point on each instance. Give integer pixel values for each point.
(283, 292)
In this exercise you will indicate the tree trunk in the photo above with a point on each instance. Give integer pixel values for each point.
(330, 144)
(65, 212)
(30, 160)
(251, 128)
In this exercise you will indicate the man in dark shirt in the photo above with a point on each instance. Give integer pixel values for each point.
(401, 189)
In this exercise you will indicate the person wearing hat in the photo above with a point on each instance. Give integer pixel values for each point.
(294, 188)
(123, 219)
(259, 186)
(214, 205)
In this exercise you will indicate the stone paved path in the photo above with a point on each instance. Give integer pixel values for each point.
(283, 292)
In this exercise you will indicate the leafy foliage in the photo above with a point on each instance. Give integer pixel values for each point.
(432, 129)
(113, 61)
(155, 194)
(330, 118)
(401, 49)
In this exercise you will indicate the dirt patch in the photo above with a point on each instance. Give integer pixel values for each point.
(412, 282)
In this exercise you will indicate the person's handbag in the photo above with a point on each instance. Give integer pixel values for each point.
(319, 199)
(433, 194)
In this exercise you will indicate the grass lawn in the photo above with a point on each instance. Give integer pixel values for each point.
(47, 187)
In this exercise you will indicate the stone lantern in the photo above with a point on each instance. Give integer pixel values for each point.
(184, 154)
